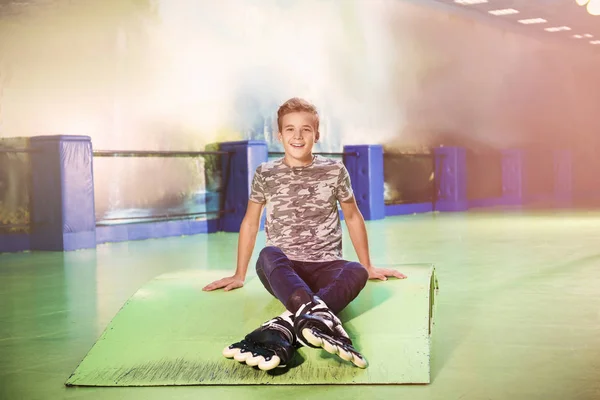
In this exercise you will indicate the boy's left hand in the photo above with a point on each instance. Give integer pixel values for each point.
(383, 273)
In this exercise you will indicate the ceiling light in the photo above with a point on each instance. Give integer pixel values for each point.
(532, 21)
(558, 29)
(595, 41)
(593, 6)
(506, 11)
(578, 36)
(588, 35)
(467, 2)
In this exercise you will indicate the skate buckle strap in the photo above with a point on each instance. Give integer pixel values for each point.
(314, 306)
(279, 324)
(319, 309)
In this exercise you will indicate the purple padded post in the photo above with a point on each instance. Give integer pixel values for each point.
(62, 198)
(451, 173)
(245, 157)
(512, 177)
(365, 167)
(563, 177)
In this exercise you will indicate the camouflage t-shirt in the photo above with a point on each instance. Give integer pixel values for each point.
(301, 207)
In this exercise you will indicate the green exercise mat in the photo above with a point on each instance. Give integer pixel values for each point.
(172, 333)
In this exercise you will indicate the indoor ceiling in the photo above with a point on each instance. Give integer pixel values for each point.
(564, 20)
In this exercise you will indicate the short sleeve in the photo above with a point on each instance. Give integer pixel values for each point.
(257, 188)
(343, 190)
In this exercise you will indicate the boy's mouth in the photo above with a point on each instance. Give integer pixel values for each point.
(296, 145)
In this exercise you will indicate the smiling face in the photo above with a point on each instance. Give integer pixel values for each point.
(298, 134)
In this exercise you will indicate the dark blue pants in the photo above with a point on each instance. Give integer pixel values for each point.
(337, 283)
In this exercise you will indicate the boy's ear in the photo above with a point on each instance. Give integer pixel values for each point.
(317, 136)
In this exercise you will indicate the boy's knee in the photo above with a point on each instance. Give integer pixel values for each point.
(268, 252)
(363, 276)
(267, 257)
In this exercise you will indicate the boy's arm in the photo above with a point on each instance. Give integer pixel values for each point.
(358, 234)
(246, 242)
(358, 231)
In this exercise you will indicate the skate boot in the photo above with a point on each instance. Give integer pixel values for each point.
(269, 346)
(317, 326)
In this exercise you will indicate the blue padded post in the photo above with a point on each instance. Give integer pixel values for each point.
(366, 174)
(246, 156)
(62, 200)
(512, 177)
(563, 177)
(451, 173)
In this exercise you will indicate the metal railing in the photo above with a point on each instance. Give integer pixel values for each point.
(225, 183)
(169, 217)
(144, 153)
(4, 150)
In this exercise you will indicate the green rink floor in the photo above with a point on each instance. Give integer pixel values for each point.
(517, 313)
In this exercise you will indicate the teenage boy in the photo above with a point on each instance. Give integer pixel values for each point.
(302, 262)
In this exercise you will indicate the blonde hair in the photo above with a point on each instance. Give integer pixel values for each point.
(296, 104)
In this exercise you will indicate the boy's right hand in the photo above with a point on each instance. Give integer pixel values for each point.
(227, 284)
